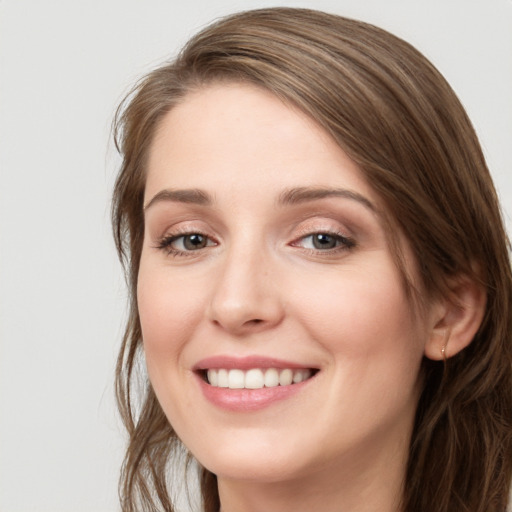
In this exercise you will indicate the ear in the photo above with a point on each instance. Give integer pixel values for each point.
(456, 318)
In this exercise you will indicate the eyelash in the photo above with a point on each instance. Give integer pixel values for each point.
(343, 243)
(165, 243)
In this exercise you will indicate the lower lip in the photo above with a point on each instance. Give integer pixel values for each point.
(246, 400)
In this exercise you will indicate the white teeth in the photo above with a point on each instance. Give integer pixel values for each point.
(213, 377)
(256, 378)
(222, 379)
(236, 379)
(285, 377)
(271, 378)
(301, 376)
(298, 377)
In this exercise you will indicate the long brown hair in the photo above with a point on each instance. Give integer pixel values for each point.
(393, 113)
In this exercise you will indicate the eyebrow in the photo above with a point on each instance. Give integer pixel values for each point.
(191, 196)
(305, 194)
(291, 196)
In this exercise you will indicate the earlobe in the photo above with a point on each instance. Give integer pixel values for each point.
(456, 319)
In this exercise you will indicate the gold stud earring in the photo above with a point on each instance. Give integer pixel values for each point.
(447, 333)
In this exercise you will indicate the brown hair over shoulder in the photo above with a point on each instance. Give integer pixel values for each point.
(393, 113)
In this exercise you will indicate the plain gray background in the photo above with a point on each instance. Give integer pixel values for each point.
(64, 65)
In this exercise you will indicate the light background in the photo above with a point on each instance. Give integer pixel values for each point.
(64, 65)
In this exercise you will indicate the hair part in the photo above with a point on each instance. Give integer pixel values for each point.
(394, 114)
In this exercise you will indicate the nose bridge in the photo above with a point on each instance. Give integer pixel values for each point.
(246, 297)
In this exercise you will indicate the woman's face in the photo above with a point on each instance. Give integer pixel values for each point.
(265, 261)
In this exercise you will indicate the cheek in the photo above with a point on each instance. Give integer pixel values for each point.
(375, 346)
(363, 316)
(169, 310)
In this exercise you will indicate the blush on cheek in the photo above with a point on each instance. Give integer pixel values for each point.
(168, 313)
(374, 313)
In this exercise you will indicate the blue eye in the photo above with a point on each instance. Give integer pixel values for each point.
(325, 242)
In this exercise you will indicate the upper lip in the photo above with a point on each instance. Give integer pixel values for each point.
(246, 363)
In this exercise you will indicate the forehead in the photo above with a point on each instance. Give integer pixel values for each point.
(237, 133)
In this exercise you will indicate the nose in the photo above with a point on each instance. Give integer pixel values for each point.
(246, 296)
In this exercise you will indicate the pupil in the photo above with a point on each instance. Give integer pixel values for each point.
(192, 242)
(323, 241)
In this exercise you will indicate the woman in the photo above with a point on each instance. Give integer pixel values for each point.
(320, 279)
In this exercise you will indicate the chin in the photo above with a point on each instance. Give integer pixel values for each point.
(256, 462)
(264, 470)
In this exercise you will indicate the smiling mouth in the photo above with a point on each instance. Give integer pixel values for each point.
(256, 378)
